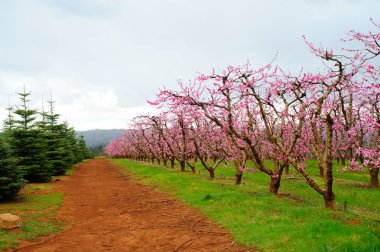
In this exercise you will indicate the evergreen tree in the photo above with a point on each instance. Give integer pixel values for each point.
(33, 149)
(29, 143)
(74, 145)
(85, 153)
(26, 115)
(65, 133)
(11, 180)
(9, 123)
(58, 153)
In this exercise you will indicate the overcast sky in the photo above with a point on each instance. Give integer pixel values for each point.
(101, 59)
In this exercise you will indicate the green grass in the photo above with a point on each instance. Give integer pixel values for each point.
(39, 187)
(70, 172)
(38, 214)
(257, 218)
(37, 207)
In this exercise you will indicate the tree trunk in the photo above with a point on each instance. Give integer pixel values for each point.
(320, 171)
(239, 176)
(212, 173)
(165, 162)
(287, 169)
(343, 161)
(329, 195)
(275, 179)
(374, 177)
(182, 163)
(274, 185)
(329, 200)
(159, 161)
(172, 163)
(192, 167)
(152, 160)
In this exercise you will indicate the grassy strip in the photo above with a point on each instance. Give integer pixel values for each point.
(296, 221)
(37, 207)
(38, 214)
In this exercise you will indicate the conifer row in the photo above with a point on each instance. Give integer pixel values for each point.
(35, 145)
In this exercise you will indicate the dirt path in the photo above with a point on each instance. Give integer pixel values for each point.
(107, 211)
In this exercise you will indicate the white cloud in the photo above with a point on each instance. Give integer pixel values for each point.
(100, 58)
(97, 101)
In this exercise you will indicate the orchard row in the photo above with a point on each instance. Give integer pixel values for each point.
(267, 113)
(35, 146)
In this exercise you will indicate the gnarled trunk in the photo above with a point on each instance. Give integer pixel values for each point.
(274, 184)
(172, 163)
(192, 167)
(329, 200)
(374, 177)
(239, 176)
(212, 173)
(329, 195)
(275, 179)
(165, 162)
(287, 169)
(182, 163)
(320, 171)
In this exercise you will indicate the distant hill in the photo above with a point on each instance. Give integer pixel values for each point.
(100, 137)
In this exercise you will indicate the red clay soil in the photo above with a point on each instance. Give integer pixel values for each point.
(106, 210)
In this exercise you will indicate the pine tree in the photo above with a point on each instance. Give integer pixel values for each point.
(69, 143)
(11, 180)
(29, 143)
(82, 148)
(74, 145)
(27, 116)
(59, 155)
(9, 123)
(87, 153)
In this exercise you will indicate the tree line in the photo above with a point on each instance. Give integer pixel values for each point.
(266, 113)
(36, 145)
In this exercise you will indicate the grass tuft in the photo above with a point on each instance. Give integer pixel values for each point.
(38, 214)
(37, 206)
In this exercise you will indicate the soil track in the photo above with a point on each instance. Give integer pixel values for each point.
(107, 211)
